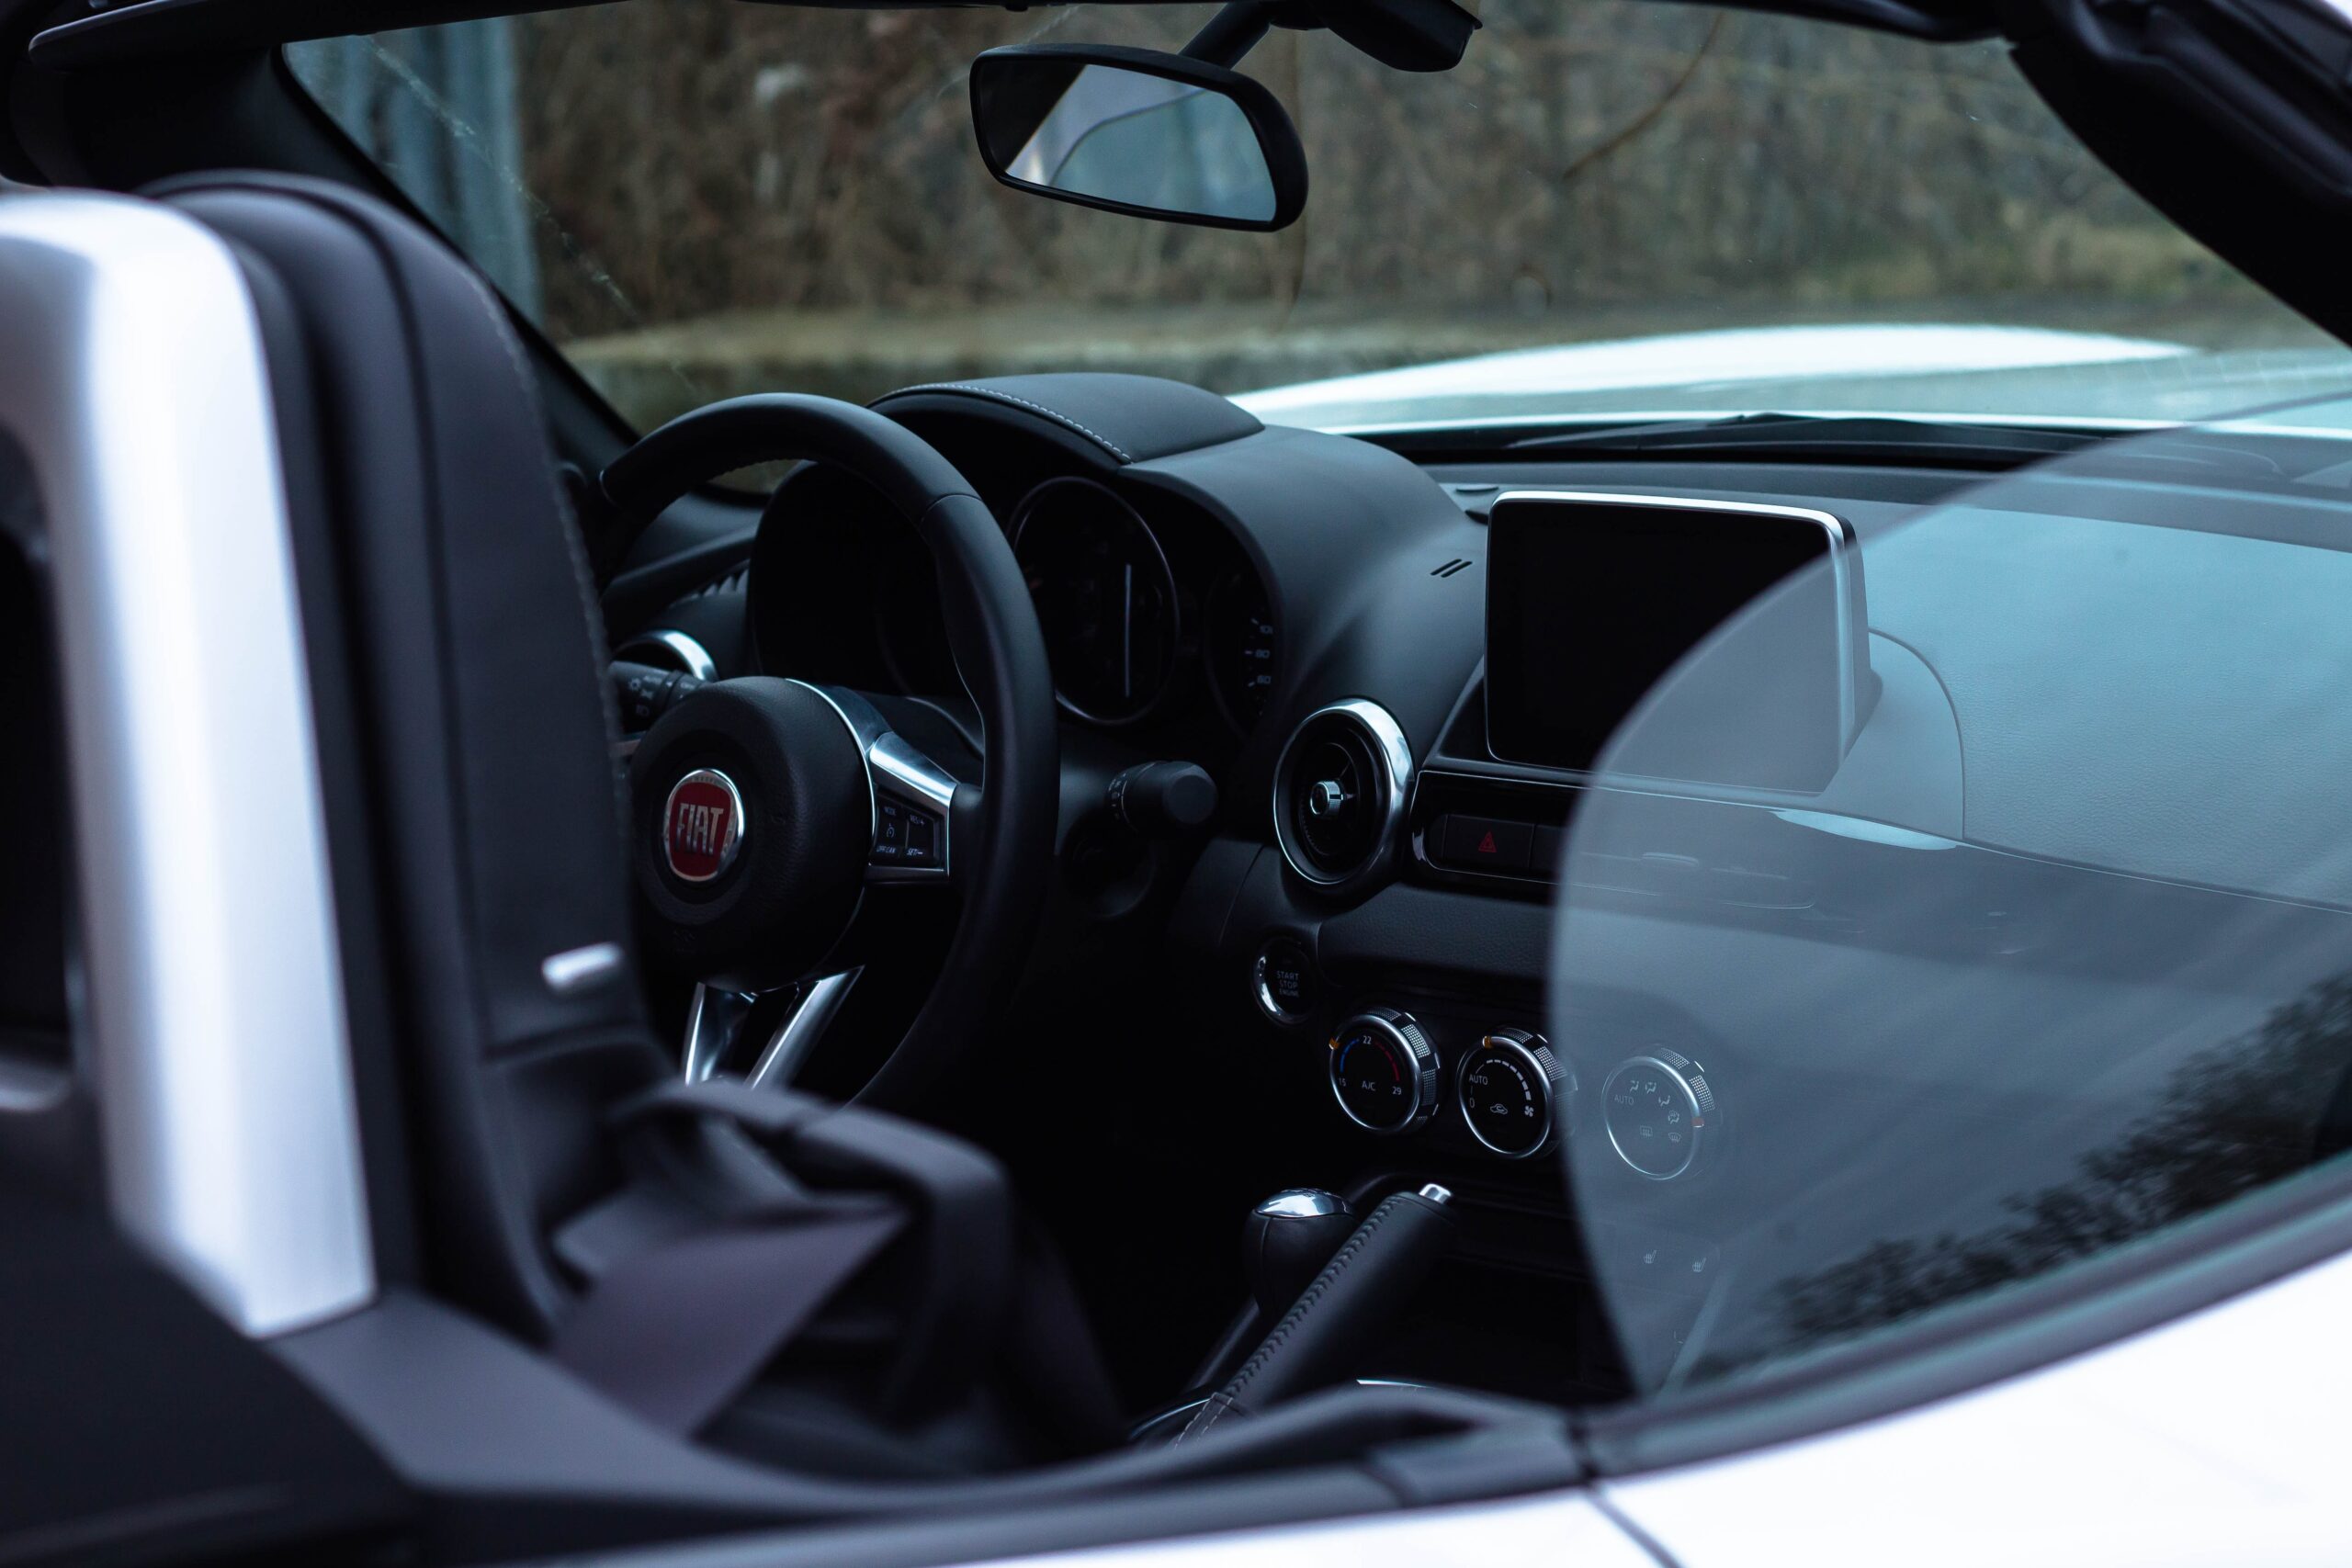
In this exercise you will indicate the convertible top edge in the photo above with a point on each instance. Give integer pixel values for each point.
(154, 31)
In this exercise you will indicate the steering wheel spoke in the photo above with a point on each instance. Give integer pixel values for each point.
(914, 800)
(713, 1020)
(719, 1022)
(769, 817)
(805, 1016)
(914, 797)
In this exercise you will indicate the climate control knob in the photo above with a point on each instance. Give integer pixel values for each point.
(1383, 1072)
(1509, 1088)
(1661, 1113)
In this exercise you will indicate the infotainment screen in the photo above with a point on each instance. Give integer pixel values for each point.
(1591, 599)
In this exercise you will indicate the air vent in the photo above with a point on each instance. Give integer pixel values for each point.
(1450, 568)
(1340, 791)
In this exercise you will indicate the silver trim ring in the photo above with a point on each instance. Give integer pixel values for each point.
(1262, 985)
(1395, 757)
(1420, 1061)
(675, 647)
(1688, 1093)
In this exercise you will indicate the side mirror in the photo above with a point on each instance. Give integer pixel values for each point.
(1137, 132)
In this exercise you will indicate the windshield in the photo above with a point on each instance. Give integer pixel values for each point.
(1614, 208)
(2060, 958)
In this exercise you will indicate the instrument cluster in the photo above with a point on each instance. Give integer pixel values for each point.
(1135, 615)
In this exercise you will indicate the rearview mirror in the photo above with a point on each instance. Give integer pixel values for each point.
(1137, 131)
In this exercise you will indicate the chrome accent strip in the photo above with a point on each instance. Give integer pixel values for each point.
(712, 1019)
(569, 974)
(910, 770)
(688, 654)
(212, 1017)
(899, 768)
(893, 765)
(802, 1027)
(1303, 1202)
(864, 726)
(1397, 757)
(1841, 540)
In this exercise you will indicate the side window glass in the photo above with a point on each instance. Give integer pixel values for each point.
(435, 107)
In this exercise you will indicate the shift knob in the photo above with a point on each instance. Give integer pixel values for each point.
(1340, 1314)
(1288, 1239)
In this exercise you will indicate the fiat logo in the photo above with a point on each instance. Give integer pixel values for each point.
(702, 826)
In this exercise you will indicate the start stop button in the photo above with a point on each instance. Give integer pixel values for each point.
(1282, 979)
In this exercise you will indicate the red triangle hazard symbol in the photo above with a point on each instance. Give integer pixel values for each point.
(1487, 845)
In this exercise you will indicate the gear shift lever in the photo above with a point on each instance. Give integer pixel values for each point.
(1287, 1240)
(1344, 1308)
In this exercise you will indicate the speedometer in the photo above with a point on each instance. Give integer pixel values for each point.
(1105, 598)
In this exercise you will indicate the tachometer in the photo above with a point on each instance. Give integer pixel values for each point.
(1104, 597)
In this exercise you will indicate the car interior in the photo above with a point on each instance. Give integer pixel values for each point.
(1071, 971)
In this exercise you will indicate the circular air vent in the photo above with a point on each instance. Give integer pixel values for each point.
(1340, 791)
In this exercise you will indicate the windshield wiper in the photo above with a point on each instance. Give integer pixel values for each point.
(1815, 438)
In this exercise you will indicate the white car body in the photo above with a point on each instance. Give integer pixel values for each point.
(2213, 1439)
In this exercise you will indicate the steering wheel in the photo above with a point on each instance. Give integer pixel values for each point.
(763, 809)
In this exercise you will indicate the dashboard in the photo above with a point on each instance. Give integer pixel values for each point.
(1699, 1045)
(1161, 621)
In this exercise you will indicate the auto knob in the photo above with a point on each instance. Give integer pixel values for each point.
(1513, 1093)
(1286, 1241)
(1384, 1071)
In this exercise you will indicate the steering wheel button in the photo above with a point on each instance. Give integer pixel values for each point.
(923, 837)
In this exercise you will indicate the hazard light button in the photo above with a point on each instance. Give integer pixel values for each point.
(1482, 843)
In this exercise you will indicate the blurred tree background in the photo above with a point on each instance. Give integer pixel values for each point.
(721, 196)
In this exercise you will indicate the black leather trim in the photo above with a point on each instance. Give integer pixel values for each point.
(1132, 419)
(472, 709)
